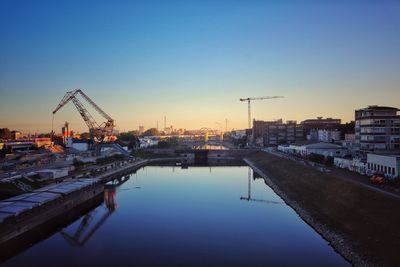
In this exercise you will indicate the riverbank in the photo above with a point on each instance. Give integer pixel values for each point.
(361, 224)
(22, 213)
(24, 241)
(25, 212)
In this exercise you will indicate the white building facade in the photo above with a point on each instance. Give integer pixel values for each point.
(355, 165)
(324, 149)
(388, 165)
(328, 135)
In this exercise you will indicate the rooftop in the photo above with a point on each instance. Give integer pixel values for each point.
(322, 145)
(375, 107)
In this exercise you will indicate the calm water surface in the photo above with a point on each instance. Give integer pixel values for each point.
(168, 216)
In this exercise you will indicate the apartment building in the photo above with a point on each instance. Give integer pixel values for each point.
(377, 128)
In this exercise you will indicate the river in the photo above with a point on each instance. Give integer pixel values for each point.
(196, 216)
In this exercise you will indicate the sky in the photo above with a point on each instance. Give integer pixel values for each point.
(191, 61)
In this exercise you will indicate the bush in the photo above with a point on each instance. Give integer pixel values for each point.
(321, 159)
(77, 163)
(316, 158)
(167, 143)
(4, 151)
(329, 161)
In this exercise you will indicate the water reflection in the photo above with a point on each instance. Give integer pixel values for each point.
(249, 198)
(87, 214)
(25, 241)
(186, 217)
(210, 147)
(89, 225)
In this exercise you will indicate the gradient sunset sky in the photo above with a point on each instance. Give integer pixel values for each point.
(192, 60)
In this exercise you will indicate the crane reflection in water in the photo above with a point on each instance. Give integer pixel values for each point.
(91, 221)
(250, 198)
(94, 219)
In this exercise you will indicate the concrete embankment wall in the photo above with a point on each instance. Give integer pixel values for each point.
(23, 213)
(127, 168)
(361, 224)
(24, 241)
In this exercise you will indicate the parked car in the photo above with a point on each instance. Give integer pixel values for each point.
(378, 179)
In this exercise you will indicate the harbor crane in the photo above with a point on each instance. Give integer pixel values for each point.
(98, 132)
(249, 99)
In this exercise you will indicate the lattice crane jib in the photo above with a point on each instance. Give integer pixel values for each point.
(99, 133)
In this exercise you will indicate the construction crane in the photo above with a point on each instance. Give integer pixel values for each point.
(98, 132)
(249, 99)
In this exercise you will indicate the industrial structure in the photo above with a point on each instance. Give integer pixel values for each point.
(98, 132)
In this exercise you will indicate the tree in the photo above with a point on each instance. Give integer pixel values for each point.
(241, 142)
(316, 158)
(45, 135)
(129, 139)
(85, 135)
(169, 142)
(77, 163)
(4, 151)
(5, 133)
(151, 132)
(134, 133)
(347, 128)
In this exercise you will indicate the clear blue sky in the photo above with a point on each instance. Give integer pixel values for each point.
(193, 60)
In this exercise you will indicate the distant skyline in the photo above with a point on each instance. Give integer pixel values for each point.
(192, 60)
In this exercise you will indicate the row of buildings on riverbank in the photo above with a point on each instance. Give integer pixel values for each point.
(368, 145)
(272, 133)
(375, 128)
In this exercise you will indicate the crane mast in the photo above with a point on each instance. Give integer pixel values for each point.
(98, 132)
